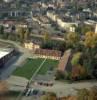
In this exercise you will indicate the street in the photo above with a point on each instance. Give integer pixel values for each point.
(65, 89)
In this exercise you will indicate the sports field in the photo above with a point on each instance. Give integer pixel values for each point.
(48, 65)
(31, 65)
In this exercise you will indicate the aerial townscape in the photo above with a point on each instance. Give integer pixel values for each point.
(48, 49)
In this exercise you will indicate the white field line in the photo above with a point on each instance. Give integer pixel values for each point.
(37, 70)
(21, 93)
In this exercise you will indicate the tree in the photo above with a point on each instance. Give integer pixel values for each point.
(59, 75)
(3, 90)
(83, 29)
(82, 94)
(44, 97)
(76, 58)
(21, 32)
(86, 28)
(47, 45)
(78, 69)
(3, 87)
(90, 44)
(12, 37)
(49, 96)
(90, 40)
(27, 33)
(85, 94)
(46, 37)
(2, 30)
(13, 28)
(78, 30)
(5, 36)
(72, 39)
(62, 47)
(93, 93)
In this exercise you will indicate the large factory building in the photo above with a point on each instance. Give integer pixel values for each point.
(5, 55)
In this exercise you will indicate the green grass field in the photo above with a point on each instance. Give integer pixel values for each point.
(48, 65)
(28, 69)
(31, 65)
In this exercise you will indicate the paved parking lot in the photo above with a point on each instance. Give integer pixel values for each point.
(65, 89)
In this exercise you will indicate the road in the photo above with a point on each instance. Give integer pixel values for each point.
(65, 89)
(53, 38)
(61, 88)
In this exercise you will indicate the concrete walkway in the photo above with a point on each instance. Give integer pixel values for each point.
(19, 81)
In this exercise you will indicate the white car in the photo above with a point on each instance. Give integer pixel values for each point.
(30, 91)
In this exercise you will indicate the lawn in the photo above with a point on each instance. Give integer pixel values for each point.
(48, 65)
(28, 69)
(31, 65)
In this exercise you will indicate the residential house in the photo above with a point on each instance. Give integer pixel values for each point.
(21, 24)
(62, 22)
(31, 45)
(52, 16)
(96, 28)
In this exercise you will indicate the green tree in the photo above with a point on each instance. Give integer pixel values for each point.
(85, 94)
(46, 37)
(72, 39)
(21, 32)
(90, 40)
(2, 30)
(27, 33)
(49, 96)
(93, 93)
(5, 36)
(82, 94)
(3, 87)
(62, 46)
(47, 45)
(86, 28)
(90, 43)
(76, 58)
(13, 28)
(12, 37)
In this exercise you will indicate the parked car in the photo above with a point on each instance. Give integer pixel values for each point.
(29, 92)
(35, 92)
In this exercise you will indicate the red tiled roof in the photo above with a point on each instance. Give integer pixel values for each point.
(47, 52)
(63, 62)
